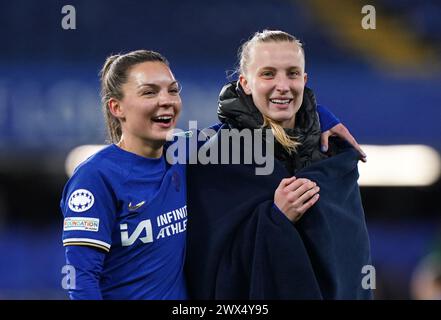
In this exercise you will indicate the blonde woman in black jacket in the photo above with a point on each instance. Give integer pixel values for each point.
(269, 236)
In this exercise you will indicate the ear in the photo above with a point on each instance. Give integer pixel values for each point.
(116, 108)
(305, 77)
(244, 83)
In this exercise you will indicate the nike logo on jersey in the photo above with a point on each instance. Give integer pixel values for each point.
(136, 206)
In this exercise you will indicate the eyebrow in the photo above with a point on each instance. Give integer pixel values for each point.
(273, 68)
(154, 84)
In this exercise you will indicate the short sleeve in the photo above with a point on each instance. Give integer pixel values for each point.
(88, 205)
(327, 118)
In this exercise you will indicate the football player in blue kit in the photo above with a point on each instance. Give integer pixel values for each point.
(125, 207)
(125, 213)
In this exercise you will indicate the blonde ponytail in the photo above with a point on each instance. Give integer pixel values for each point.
(287, 142)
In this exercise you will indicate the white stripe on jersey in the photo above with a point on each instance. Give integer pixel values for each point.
(87, 240)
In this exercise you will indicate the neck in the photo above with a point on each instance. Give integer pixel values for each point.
(141, 148)
(289, 124)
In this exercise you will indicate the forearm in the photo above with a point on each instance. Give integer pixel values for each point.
(88, 264)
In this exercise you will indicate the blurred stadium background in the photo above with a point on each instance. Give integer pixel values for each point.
(384, 84)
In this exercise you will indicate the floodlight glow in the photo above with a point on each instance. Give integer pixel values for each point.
(78, 155)
(400, 165)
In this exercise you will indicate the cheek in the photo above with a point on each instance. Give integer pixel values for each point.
(262, 106)
(299, 86)
(145, 108)
(178, 107)
(139, 113)
(263, 88)
(261, 92)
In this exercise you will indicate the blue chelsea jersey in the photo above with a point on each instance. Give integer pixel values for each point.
(135, 209)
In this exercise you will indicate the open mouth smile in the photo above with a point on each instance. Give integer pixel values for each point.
(165, 119)
(280, 101)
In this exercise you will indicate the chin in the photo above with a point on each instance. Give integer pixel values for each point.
(282, 118)
(161, 139)
(157, 139)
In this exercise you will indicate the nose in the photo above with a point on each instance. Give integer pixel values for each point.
(282, 84)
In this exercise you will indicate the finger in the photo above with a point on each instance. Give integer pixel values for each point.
(309, 204)
(348, 136)
(344, 133)
(286, 181)
(294, 185)
(363, 155)
(357, 147)
(306, 196)
(307, 185)
(324, 141)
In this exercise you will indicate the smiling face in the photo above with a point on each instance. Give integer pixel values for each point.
(150, 106)
(275, 77)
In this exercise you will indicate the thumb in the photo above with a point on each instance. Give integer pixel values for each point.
(324, 141)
